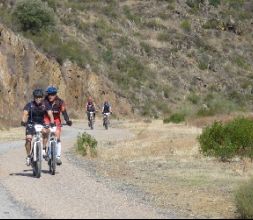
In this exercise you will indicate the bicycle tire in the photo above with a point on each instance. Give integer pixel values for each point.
(38, 163)
(53, 158)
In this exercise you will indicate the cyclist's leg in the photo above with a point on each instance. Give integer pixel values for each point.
(28, 143)
(59, 145)
(45, 135)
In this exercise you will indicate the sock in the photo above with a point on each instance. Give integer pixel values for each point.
(58, 151)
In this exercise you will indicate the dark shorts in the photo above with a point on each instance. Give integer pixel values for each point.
(30, 130)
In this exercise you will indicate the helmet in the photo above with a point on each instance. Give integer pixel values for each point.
(38, 93)
(51, 90)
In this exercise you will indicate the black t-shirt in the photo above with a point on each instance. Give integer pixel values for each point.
(106, 108)
(37, 112)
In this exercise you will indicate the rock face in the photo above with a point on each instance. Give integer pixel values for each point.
(23, 68)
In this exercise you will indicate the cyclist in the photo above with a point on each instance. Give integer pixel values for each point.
(90, 107)
(34, 113)
(106, 109)
(58, 108)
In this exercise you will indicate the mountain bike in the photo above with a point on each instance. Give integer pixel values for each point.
(106, 121)
(51, 152)
(91, 120)
(36, 151)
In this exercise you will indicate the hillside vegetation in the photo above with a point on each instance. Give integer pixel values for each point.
(189, 57)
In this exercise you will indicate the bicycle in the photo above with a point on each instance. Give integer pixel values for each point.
(51, 152)
(91, 120)
(36, 151)
(106, 120)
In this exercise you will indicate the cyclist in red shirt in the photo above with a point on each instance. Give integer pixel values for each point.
(58, 108)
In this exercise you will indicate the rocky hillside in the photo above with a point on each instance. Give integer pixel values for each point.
(153, 57)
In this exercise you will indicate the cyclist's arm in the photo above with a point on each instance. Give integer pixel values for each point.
(51, 116)
(25, 116)
(65, 116)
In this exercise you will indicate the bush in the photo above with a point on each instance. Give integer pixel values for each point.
(147, 48)
(186, 26)
(108, 56)
(227, 141)
(244, 200)
(175, 118)
(133, 67)
(194, 99)
(164, 36)
(214, 3)
(86, 143)
(213, 24)
(53, 44)
(34, 15)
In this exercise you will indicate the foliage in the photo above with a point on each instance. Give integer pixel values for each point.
(244, 200)
(175, 118)
(226, 141)
(34, 15)
(85, 143)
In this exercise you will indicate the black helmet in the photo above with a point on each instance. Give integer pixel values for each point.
(38, 93)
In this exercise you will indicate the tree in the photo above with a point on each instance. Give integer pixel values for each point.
(34, 15)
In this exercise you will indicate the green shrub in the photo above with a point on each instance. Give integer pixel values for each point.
(241, 62)
(147, 48)
(164, 36)
(175, 118)
(186, 26)
(214, 3)
(133, 67)
(55, 46)
(86, 143)
(226, 141)
(111, 10)
(194, 5)
(132, 17)
(218, 104)
(212, 24)
(34, 15)
(244, 200)
(108, 56)
(194, 99)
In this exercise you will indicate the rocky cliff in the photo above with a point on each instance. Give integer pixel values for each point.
(24, 68)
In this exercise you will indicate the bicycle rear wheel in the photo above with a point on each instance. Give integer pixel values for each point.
(53, 158)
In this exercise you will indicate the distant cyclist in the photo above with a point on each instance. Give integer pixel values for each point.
(107, 108)
(90, 107)
(34, 113)
(58, 108)
(106, 111)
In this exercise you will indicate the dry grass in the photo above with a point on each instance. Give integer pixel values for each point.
(164, 161)
(12, 134)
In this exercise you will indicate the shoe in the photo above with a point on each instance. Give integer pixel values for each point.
(28, 161)
(58, 161)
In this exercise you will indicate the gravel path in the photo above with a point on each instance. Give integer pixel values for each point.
(72, 193)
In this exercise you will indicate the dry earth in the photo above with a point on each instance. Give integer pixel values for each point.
(143, 170)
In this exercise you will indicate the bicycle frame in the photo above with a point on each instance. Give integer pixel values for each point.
(52, 139)
(36, 139)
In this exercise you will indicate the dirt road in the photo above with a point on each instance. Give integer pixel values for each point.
(72, 193)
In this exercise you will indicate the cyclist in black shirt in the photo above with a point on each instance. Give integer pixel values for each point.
(34, 113)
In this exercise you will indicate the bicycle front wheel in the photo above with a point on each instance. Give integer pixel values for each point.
(38, 162)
